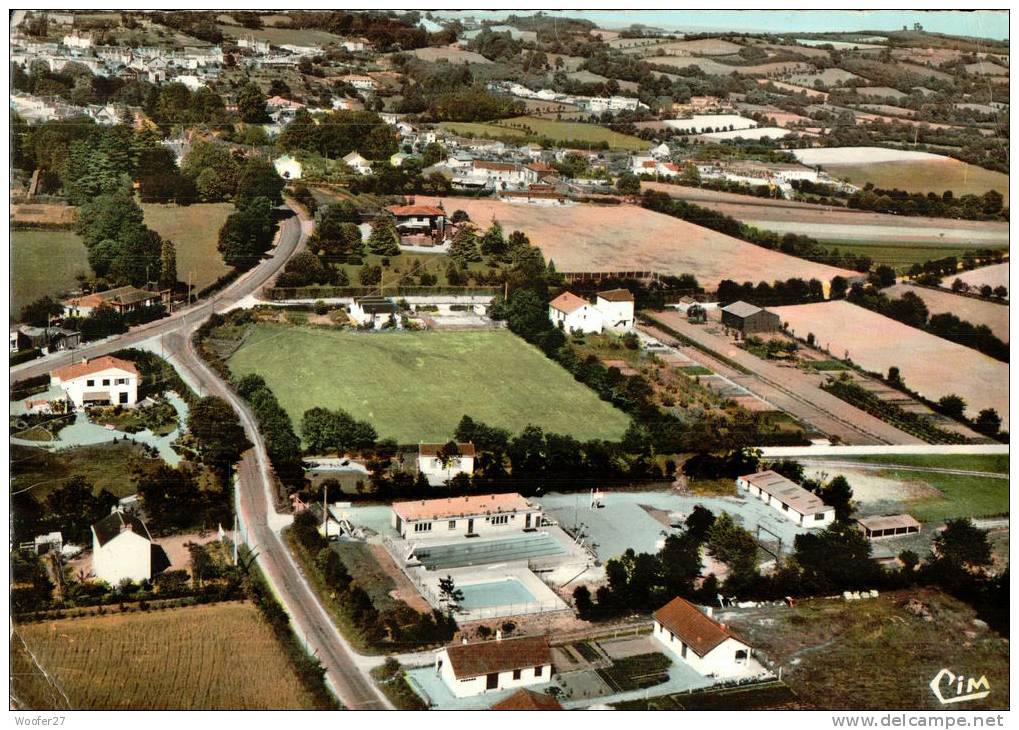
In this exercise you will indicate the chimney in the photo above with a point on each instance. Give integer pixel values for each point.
(498, 634)
(709, 611)
(463, 640)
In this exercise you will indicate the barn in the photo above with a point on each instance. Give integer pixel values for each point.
(749, 318)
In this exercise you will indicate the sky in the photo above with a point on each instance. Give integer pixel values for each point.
(978, 23)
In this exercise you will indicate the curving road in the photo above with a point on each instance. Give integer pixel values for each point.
(346, 671)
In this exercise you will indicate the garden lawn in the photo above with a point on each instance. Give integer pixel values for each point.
(107, 466)
(194, 230)
(571, 132)
(44, 263)
(416, 386)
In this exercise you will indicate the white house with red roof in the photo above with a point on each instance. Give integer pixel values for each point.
(473, 669)
(103, 381)
(707, 646)
(440, 466)
(573, 314)
(616, 307)
(474, 515)
(121, 549)
(420, 220)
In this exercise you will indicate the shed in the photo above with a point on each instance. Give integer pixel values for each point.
(888, 526)
(749, 318)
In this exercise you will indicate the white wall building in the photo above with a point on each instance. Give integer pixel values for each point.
(788, 498)
(121, 548)
(103, 381)
(81, 41)
(288, 168)
(375, 312)
(616, 307)
(360, 165)
(490, 666)
(482, 514)
(438, 472)
(571, 313)
(706, 645)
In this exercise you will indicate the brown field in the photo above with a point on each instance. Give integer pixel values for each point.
(842, 224)
(708, 66)
(42, 213)
(932, 366)
(996, 275)
(625, 237)
(977, 311)
(700, 47)
(880, 91)
(452, 54)
(216, 657)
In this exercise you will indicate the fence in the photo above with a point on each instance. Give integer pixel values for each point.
(580, 276)
(337, 292)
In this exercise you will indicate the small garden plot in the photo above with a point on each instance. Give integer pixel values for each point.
(771, 696)
(636, 672)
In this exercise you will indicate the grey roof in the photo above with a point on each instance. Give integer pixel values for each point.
(117, 522)
(376, 305)
(742, 309)
(787, 492)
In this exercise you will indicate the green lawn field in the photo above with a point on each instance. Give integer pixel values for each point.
(416, 386)
(44, 262)
(923, 176)
(194, 230)
(901, 257)
(573, 132)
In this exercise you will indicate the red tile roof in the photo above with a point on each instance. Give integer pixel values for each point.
(486, 657)
(77, 370)
(486, 165)
(692, 626)
(568, 302)
(616, 295)
(525, 699)
(433, 449)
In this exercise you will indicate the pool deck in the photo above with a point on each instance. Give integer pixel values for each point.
(544, 598)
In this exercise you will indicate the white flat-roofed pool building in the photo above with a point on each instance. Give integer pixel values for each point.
(789, 498)
(483, 514)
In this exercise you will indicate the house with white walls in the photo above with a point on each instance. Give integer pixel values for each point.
(121, 548)
(360, 165)
(439, 470)
(707, 646)
(103, 381)
(471, 516)
(288, 168)
(573, 314)
(616, 307)
(788, 498)
(374, 311)
(473, 669)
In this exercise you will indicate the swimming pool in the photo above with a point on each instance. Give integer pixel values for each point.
(505, 592)
(477, 552)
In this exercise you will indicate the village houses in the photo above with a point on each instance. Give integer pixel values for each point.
(788, 498)
(612, 310)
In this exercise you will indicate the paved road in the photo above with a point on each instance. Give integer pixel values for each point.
(786, 388)
(346, 671)
(839, 464)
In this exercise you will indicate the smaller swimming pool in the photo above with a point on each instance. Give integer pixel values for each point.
(505, 592)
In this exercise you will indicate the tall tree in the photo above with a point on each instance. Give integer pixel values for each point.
(384, 239)
(168, 265)
(251, 104)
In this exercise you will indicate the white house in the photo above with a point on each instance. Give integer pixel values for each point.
(616, 307)
(360, 165)
(360, 82)
(499, 173)
(374, 311)
(480, 514)
(788, 498)
(491, 666)
(103, 381)
(288, 168)
(190, 80)
(81, 41)
(707, 646)
(571, 313)
(254, 44)
(436, 471)
(121, 548)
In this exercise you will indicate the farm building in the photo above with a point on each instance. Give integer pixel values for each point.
(708, 646)
(482, 514)
(121, 548)
(571, 313)
(103, 381)
(788, 498)
(616, 307)
(47, 339)
(749, 319)
(888, 526)
(374, 312)
(123, 299)
(438, 471)
(489, 666)
(427, 221)
(527, 699)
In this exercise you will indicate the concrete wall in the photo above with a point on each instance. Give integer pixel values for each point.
(128, 555)
(618, 316)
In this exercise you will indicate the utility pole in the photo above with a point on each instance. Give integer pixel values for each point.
(325, 510)
(236, 535)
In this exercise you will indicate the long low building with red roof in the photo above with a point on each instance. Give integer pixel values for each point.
(708, 646)
(481, 514)
(105, 380)
(491, 666)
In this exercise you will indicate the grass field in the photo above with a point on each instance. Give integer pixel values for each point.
(194, 230)
(924, 177)
(107, 466)
(214, 657)
(416, 386)
(282, 36)
(44, 263)
(827, 650)
(900, 258)
(574, 132)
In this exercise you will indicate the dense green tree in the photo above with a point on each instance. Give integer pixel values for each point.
(168, 265)
(962, 545)
(218, 431)
(247, 234)
(251, 104)
(39, 312)
(384, 239)
(259, 179)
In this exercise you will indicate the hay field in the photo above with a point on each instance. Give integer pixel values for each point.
(453, 54)
(566, 132)
(880, 91)
(757, 133)
(708, 66)
(626, 237)
(194, 230)
(216, 657)
(416, 386)
(932, 366)
(828, 77)
(995, 275)
(977, 311)
(44, 263)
